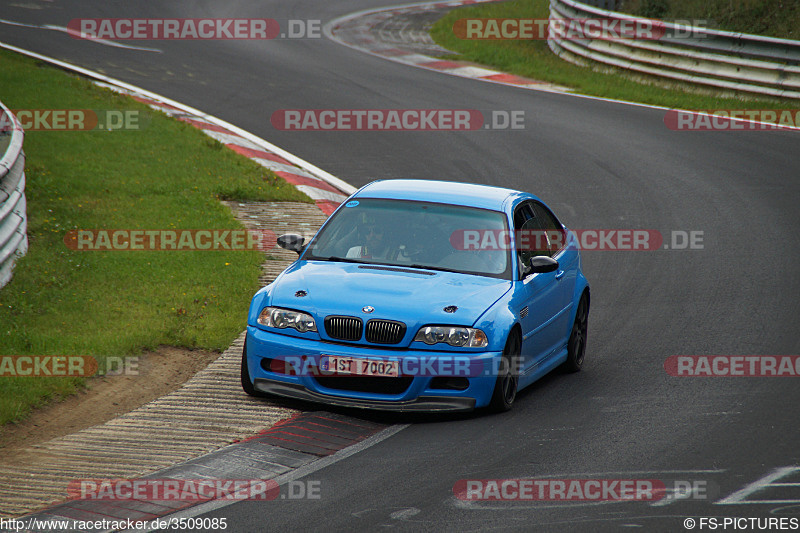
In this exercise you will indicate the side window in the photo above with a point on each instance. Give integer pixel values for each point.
(523, 213)
(552, 228)
(528, 234)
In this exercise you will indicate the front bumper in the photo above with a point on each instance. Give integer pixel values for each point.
(422, 403)
(420, 395)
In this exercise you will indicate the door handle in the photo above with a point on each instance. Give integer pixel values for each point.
(560, 274)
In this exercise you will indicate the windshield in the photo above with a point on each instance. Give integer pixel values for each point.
(412, 234)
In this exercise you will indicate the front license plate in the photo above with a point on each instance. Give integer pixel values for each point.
(337, 364)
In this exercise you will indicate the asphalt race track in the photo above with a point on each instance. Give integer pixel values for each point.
(600, 165)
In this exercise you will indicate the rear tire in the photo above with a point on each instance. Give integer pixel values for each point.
(576, 345)
(505, 389)
(247, 383)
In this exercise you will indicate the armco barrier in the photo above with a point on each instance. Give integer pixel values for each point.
(13, 219)
(713, 58)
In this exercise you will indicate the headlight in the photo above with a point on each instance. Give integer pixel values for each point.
(275, 317)
(452, 335)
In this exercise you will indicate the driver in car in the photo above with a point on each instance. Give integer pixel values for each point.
(374, 247)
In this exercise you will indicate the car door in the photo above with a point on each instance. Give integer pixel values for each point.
(536, 300)
(567, 272)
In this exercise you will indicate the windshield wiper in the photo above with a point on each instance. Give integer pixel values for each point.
(340, 259)
(441, 269)
(403, 265)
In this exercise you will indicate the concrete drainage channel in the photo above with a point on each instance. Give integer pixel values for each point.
(208, 428)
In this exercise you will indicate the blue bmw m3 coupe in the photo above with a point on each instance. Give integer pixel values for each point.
(421, 295)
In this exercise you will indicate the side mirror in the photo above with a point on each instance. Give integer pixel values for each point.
(540, 264)
(292, 241)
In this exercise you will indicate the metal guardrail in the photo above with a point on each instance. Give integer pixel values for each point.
(13, 218)
(713, 58)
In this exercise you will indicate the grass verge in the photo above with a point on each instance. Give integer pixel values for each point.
(533, 59)
(775, 18)
(115, 303)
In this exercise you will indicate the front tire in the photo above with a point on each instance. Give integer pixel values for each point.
(576, 345)
(505, 389)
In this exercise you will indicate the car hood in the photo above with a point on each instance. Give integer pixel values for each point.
(415, 297)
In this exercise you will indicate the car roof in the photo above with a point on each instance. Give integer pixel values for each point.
(450, 192)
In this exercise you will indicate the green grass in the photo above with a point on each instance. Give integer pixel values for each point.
(115, 303)
(533, 58)
(775, 18)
